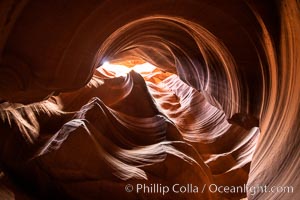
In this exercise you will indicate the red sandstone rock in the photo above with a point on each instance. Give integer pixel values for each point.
(69, 131)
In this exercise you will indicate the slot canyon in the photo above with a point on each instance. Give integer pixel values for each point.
(153, 99)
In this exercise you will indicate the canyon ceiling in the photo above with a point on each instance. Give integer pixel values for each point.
(96, 95)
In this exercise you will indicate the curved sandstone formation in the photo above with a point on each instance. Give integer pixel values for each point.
(208, 95)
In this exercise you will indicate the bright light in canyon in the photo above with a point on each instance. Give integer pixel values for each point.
(121, 70)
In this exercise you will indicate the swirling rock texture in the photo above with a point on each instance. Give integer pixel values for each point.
(218, 105)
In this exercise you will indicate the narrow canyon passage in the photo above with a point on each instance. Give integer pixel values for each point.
(149, 100)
